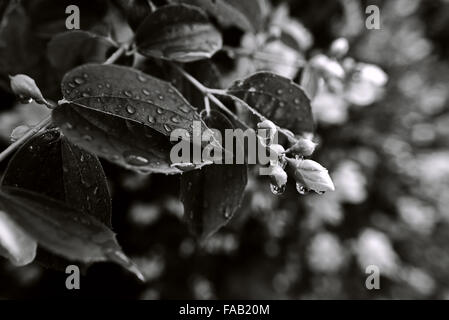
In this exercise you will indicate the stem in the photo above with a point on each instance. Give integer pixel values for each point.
(117, 54)
(210, 93)
(207, 105)
(27, 136)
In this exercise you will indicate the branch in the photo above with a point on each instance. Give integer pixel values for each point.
(40, 126)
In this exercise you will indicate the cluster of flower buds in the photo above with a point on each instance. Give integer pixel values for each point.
(308, 174)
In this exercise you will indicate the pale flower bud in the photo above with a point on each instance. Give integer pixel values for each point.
(312, 175)
(278, 176)
(304, 147)
(278, 149)
(270, 128)
(328, 67)
(26, 88)
(339, 48)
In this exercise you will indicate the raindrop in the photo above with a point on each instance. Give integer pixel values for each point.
(227, 214)
(297, 101)
(161, 97)
(142, 78)
(128, 93)
(151, 119)
(174, 119)
(108, 85)
(167, 128)
(146, 92)
(301, 189)
(78, 80)
(159, 111)
(72, 85)
(134, 159)
(279, 91)
(130, 109)
(184, 109)
(85, 95)
(277, 190)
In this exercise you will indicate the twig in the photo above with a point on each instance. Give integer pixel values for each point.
(41, 125)
(211, 94)
(117, 54)
(207, 105)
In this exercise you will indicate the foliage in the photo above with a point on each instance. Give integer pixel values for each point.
(137, 71)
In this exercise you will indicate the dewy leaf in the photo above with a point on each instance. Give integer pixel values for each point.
(129, 94)
(67, 50)
(180, 33)
(126, 143)
(15, 245)
(278, 99)
(246, 15)
(51, 165)
(61, 230)
(212, 195)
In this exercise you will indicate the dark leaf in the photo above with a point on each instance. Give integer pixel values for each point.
(129, 94)
(73, 48)
(212, 195)
(51, 165)
(178, 32)
(61, 230)
(246, 15)
(126, 143)
(278, 99)
(135, 11)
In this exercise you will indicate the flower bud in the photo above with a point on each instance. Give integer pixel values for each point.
(278, 176)
(339, 48)
(312, 175)
(278, 149)
(329, 67)
(270, 128)
(304, 147)
(26, 88)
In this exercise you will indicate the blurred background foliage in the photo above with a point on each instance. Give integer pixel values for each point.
(386, 149)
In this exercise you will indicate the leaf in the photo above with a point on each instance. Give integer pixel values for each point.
(67, 50)
(135, 11)
(276, 98)
(246, 15)
(129, 94)
(51, 165)
(180, 33)
(126, 143)
(212, 195)
(15, 245)
(310, 81)
(61, 230)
